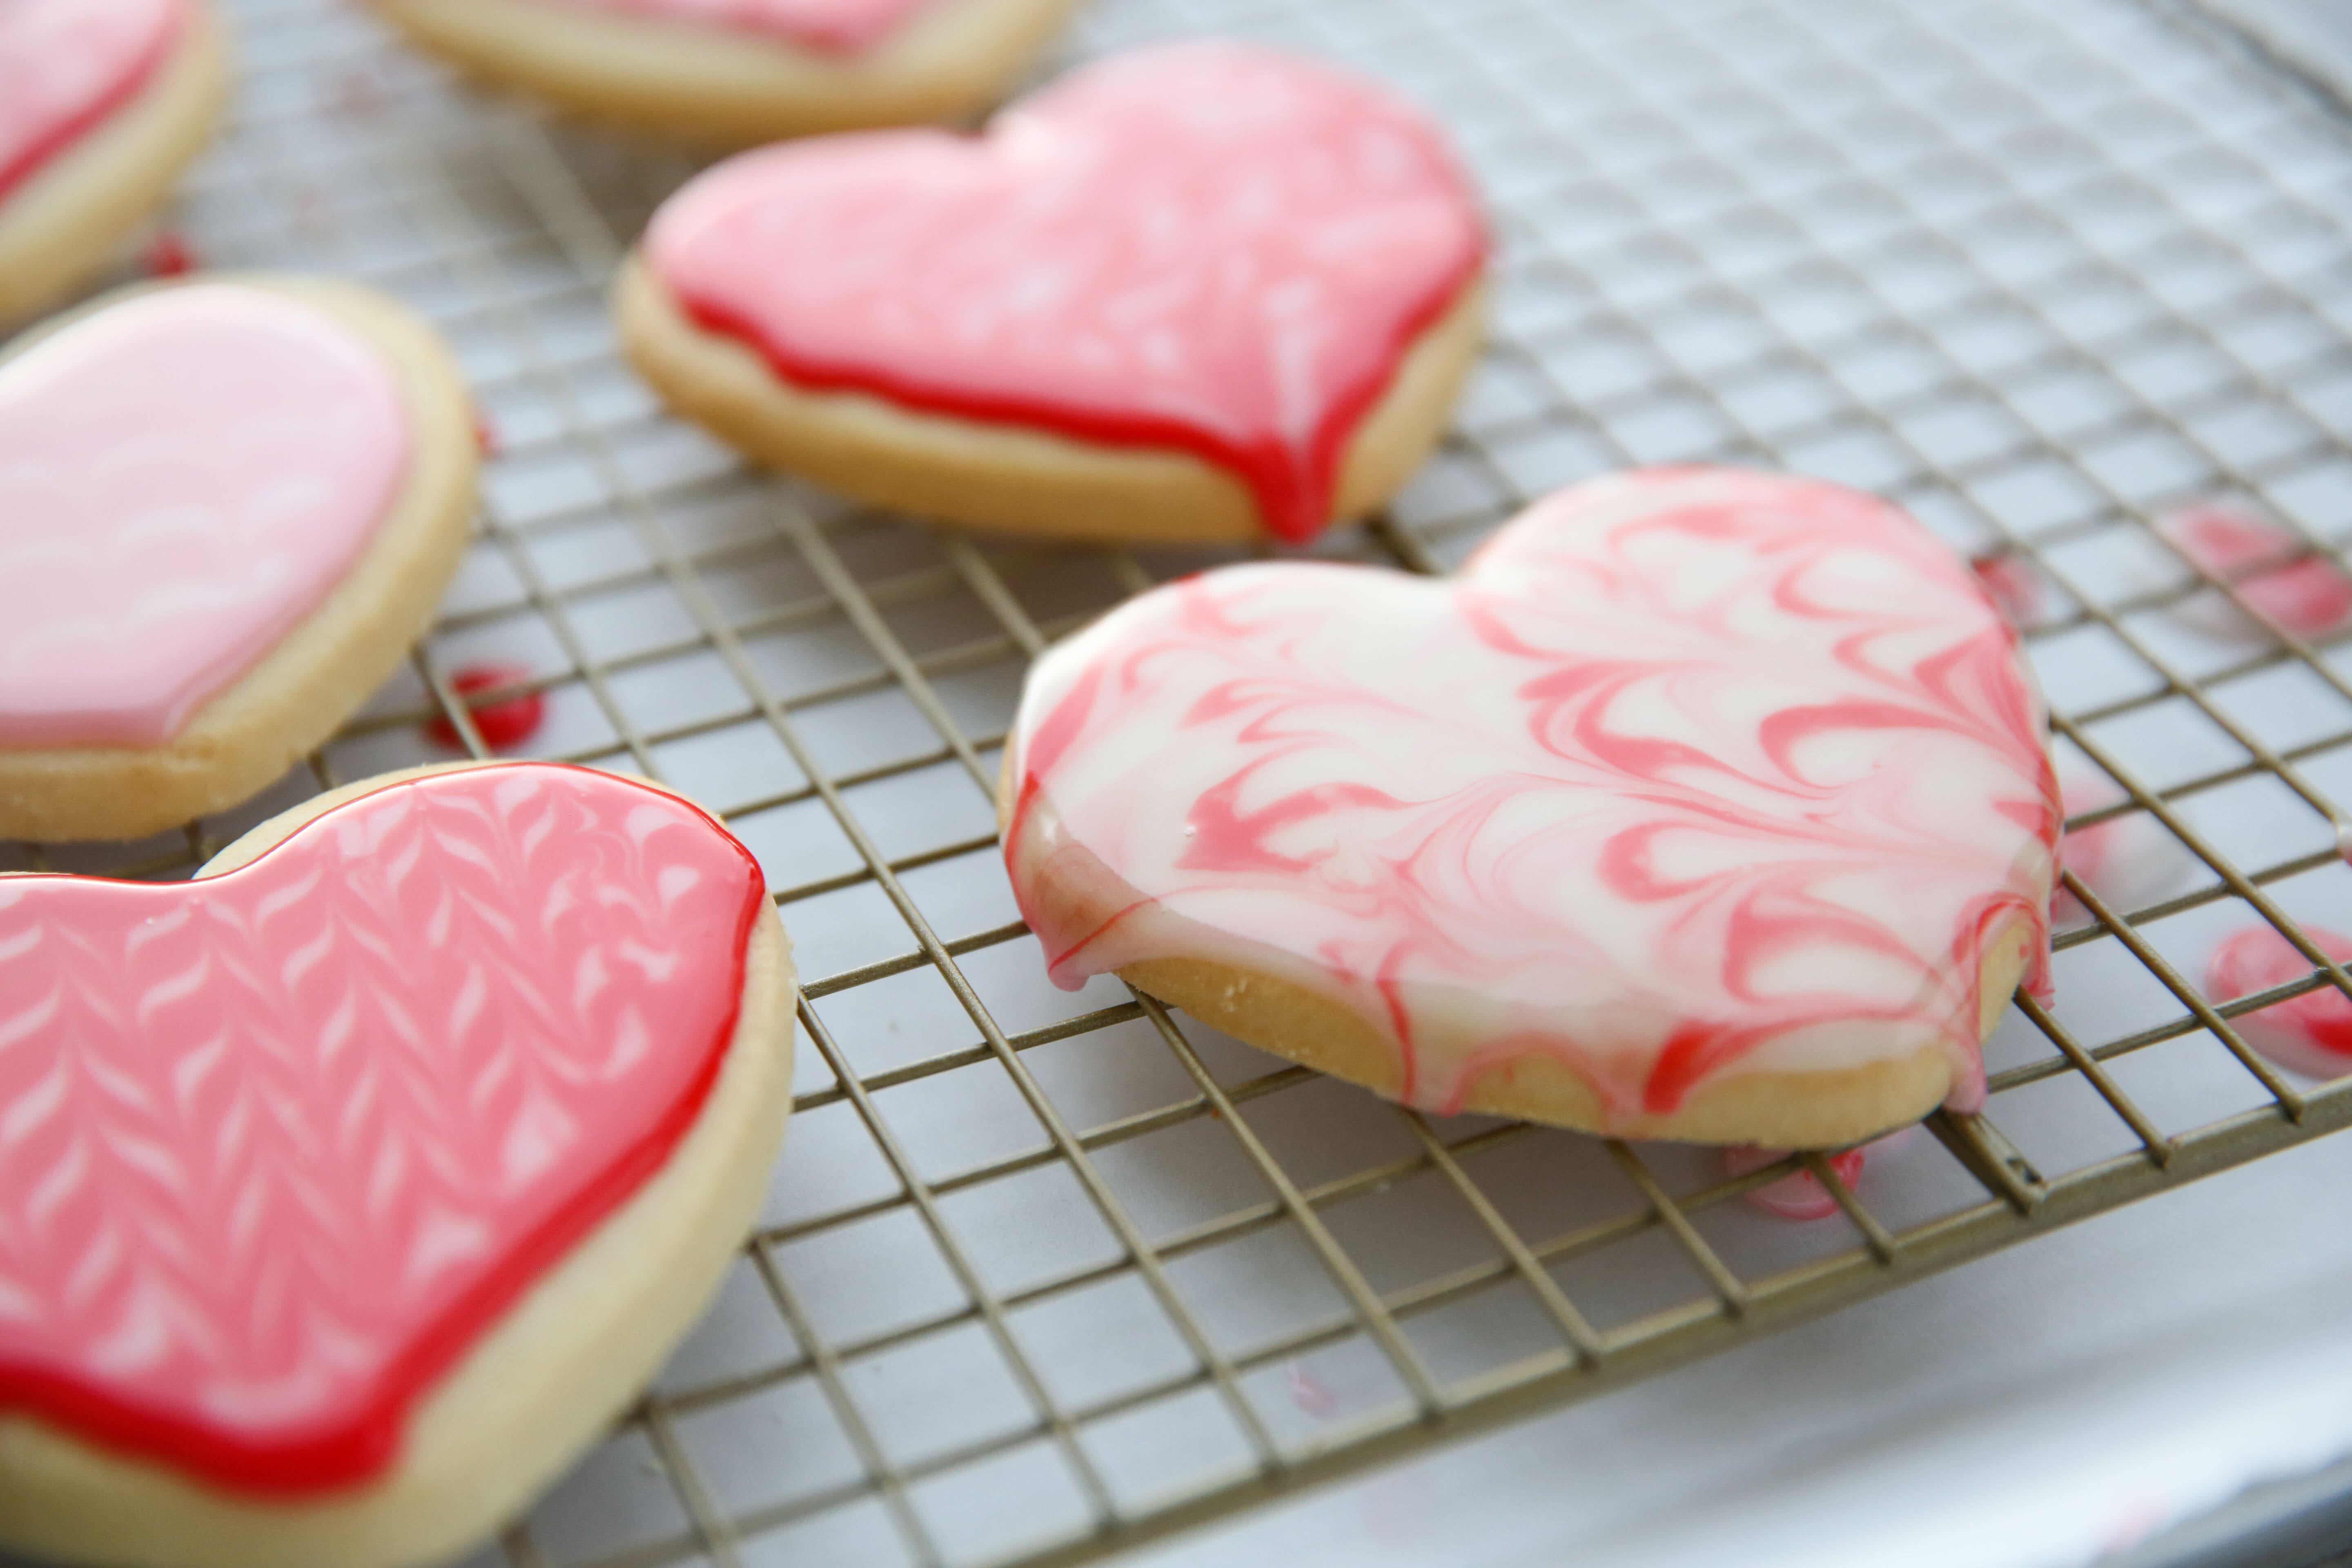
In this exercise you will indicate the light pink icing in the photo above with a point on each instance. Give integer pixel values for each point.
(276, 1146)
(2311, 1033)
(183, 478)
(1689, 772)
(833, 27)
(1206, 247)
(66, 64)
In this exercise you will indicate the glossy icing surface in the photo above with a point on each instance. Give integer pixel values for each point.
(2311, 1033)
(280, 1144)
(66, 64)
(835, 26)
(183, 478)
(1205, 247)
(1688, 773)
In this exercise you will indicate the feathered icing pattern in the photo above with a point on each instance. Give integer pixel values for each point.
(66, 64)
(1688, 771)
(1214, 248)
(183, 478)
(276, 1146)
(835, 27)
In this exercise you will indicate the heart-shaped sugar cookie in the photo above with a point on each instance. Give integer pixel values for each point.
(225, 509)
(1701, 804)
(285, 1144)
(1204, 252)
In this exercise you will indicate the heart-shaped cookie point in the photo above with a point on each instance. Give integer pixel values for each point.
(66, 65)
(1702, 802)
(283, 1142)
(183, 478)
(1203, 250)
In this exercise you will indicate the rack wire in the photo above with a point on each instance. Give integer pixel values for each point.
(1045, 1274)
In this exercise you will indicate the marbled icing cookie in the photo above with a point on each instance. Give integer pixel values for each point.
(1702, 804)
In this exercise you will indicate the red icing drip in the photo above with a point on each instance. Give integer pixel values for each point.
(1212, 249)
(246, 1232)
(120, 58)
(508, 722)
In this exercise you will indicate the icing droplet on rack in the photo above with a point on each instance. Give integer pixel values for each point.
(169, 255)
(501, 721)
(283, 1142)
(833, 27)
(65, 66)
(2128, 861)
(1800, 1194)
(2309, 598)
(1204, 246)
(183, 477)
(2311, 1034)
(1689, 772)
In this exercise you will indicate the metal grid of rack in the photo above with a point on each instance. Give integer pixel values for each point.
(1043, 1275)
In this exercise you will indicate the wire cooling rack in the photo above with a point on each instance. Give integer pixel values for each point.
(1043, 1275)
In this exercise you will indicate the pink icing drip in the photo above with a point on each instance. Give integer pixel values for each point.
(1688, 772)
(183, 478)
(833, 26)
(2311, 597)
(66, 64)
(279, 1144)
(2311, 1033)
(1207, 246)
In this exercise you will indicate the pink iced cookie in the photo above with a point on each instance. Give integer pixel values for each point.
(289, 1145)
(1198, 290)
(2312, 1032)
(103, 102)
(1703, 804)
(225, 509)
